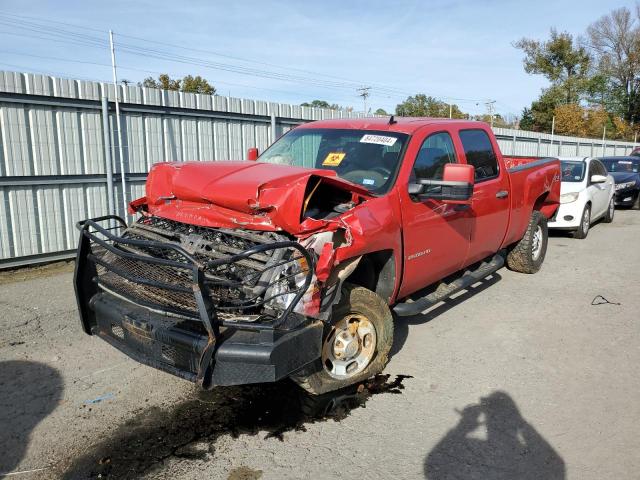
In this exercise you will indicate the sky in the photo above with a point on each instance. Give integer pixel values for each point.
(296, 51)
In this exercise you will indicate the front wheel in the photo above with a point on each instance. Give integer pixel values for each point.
(528, 254)
(608, 218)
(585, 224)
(355, 345)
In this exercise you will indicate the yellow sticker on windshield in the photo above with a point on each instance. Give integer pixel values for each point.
(333, 159)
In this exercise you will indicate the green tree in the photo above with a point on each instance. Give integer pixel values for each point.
(539, 116)
(421, 105)
(196, 84)
(321, 104)
(561, 60)
(188, 84)
(381, 111)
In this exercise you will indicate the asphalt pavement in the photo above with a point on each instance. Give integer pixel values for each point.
(521, 377)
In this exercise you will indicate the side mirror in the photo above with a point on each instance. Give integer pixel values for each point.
(252, 154)
(598, 179)
(455, 187)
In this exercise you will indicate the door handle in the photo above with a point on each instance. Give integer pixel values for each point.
(502, 194)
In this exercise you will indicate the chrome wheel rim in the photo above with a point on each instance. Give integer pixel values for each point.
(349, 347)
(612, 208)
(537, 243)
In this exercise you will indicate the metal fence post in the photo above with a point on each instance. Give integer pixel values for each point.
(107, 154)
(273, 127)
(539, 143)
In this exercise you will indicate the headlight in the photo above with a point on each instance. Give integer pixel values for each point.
(286, 281)
(622, 186)
(569, 197)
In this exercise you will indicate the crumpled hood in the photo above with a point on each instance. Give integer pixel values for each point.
(232, 194)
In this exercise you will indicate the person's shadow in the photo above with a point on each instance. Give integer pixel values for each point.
(493, 442)
(29, 391)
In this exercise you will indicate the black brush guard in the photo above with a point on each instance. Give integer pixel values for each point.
(169, 310)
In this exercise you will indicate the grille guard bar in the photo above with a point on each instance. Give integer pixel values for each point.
(86, 275)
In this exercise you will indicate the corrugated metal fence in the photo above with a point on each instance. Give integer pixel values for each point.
(53, 159)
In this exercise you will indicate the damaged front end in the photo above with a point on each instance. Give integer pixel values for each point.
(225, 278)
(214, 306)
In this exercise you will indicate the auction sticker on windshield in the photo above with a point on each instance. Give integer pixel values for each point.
(378, 139)
(333, 159)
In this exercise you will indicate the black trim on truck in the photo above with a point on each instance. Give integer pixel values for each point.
(211, 319)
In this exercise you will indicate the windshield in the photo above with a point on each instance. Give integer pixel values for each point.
(368, 158)
(621, 165)
(572, 171)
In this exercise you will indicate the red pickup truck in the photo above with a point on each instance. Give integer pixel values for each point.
(293, 264)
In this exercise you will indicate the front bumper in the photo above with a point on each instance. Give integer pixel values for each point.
(567, 216)
(239, 356)
(626, 198)
(202, 341)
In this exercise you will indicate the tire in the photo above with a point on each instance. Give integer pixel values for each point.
(528, 254)
(585, 223)
(358, 306)
(608, 217)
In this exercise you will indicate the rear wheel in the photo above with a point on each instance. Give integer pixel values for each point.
(608, 217)
(355, 346)
(585, 223)
(528, 254)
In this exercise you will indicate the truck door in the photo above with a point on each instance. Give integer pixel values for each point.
(436, 235)
(491, 195)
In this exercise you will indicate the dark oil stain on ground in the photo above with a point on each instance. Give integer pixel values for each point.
(154, 435)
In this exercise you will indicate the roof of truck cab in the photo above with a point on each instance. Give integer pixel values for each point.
(401, 124)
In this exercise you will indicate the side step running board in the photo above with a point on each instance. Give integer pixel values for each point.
(445, 290)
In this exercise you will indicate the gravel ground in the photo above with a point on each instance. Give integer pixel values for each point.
(521, 377)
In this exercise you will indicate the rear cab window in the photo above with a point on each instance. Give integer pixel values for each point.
(480, 153)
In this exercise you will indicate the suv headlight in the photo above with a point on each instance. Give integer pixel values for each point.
(569, 197)
(622, 186)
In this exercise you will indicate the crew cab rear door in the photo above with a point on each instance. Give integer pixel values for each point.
(491, 194)
(435, 234)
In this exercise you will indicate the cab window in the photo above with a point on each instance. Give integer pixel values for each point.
(436, 151)
(479, 153)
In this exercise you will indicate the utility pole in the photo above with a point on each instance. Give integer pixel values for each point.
(450, 110)
(553, 129)
(490, 107)
(118, 126)
(364, 93)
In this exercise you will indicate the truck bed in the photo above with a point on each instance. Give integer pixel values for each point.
(535, 184)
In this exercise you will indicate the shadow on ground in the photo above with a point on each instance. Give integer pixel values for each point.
(401, 324)
(493, 442)
(191, 428)
(29, 392)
